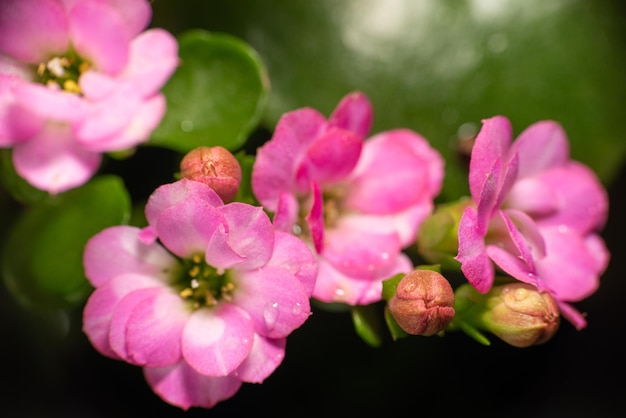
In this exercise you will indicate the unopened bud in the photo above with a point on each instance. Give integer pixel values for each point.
(521, 315)
(423, 303)
(438, 239)
(215, 167)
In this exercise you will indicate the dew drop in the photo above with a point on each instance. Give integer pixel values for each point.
(296, 309)
(186, 125)
(270, 314)
(340, 292)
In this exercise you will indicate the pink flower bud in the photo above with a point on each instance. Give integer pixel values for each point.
(521, 315)
(215, 167)
(423, 303)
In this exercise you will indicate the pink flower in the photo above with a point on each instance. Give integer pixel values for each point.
(536, 214)
(357, 203)
(207, 306)
(78, 78)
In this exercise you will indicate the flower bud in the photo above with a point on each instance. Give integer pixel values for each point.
(437, 239)
(521, 315)
(215, 167)
(423, 303)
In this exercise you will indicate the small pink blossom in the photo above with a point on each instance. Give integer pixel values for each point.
(536, 214)
(78, 78)
(357, 202)
(203, 298)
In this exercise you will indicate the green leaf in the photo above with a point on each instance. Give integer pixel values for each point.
(367, 324)
(245, 194)
(42, 258)
(390, 285)
(216, 96)
(19, 188)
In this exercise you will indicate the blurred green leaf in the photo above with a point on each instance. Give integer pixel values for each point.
(217, 95)
(17, 187)
(440, 67)
(394, 329)
(42, 257)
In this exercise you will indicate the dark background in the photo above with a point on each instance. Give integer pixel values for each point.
(50, 369)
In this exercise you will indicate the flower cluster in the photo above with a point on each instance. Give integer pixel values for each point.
(204, 297)
(78, 79)
(535, 214)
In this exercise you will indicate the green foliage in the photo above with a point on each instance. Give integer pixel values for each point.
(42, 258)
(216, 96)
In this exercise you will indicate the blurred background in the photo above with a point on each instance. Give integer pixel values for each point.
(437, 67)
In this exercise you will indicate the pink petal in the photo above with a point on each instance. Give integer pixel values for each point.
(583, 202)
(117, 250)
(216, 341)
(187, 228)
(330, 158)
(265, 356)
(360, 253)
(315, 219)
(293, 255)
(135, 14)
(250, 235)
(50, 103)
(154, 330)
(569, 270)
(572, 315)
(334, 286)
(394, 173)
(153, 59)
(17, 123)
(171, 194)
(533, 196)
(182, 386)
(274, 169)
(286, 214)
(492, 143)
(52, 160)
(276, 300)
(475, 264)
(541, 146)
(486, 203)
(98, 35)
(101, 304)
(32, 30)
(353, 113)
(121, 316)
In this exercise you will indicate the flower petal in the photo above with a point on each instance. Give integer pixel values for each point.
(171, 194)
(276, 300)
(315, 219)
(101, 304)
(153, 59)
(353, 113)
(329, 159)
(32, 30)
(52, 160)
(154, 330)
(293, 255)
(541, 146)
(492, 143)
(274, 169)
(187, 228)
(394, 173)
(265, 356)
(249, 234)
(216, 341)
(475, 264)
(98, 35)
(182, 386)
(117, 250)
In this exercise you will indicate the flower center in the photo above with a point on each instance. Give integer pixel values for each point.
(63, 72)
(203, 285)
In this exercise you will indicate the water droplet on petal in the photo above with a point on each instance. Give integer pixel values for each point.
(296, 309)
(270, 314)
